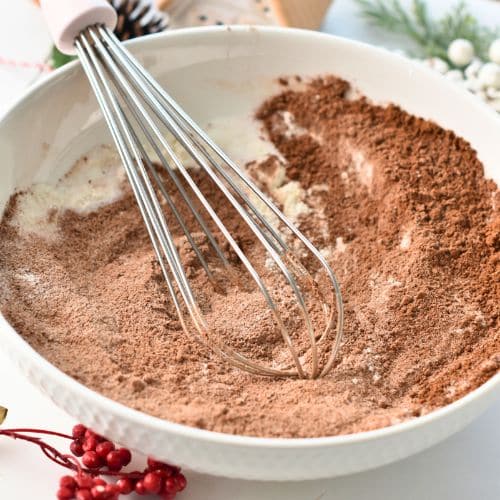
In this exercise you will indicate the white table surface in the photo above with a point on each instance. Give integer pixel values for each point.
(464, 467)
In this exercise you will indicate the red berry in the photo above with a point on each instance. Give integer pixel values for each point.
(76, 448)
(92, 460)
(65, 494)
(79, 431)
(156, 464)
(104, 448)
(83, 495)
(152, 483)
(99, 492)
(125, 486)
(140, 488)
(170, 485)
(67, 482)
(90, 443)
(125, 456)
(112, 489)
(89, 433)
(98, 481)
(84, 481)
(114, 460)
(181, 482)
(163, 473)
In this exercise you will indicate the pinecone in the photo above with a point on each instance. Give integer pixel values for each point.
(137, 18)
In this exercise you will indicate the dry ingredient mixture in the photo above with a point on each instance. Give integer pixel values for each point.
(400, 208)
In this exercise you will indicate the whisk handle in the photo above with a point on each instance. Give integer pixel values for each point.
(67, 18)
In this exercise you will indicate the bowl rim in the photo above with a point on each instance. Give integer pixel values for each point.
(137, 417)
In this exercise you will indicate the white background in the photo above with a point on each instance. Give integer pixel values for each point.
(465, 467)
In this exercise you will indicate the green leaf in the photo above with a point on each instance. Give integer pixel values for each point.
(58, 59)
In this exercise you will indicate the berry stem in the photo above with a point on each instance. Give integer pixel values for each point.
(55, 455)
(48, 450)
(39, 431)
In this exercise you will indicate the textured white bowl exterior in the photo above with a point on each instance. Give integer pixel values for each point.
(222, 71)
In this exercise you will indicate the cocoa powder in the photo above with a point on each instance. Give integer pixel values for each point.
(403, 213)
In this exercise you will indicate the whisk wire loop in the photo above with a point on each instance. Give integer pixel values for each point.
(171, 125)
(194, 131)
(117, 80)
(112, 112)
(206, 163)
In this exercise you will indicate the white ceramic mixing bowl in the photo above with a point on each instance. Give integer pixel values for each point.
(217, 72)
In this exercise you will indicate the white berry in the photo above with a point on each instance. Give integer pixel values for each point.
(489, 75)
(494, 52)
(461, 52)
(493, 93)
(473, 68)
(473, 84)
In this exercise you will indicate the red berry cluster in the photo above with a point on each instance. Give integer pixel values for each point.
(83, 486)
(97, 453)
(161, 479)
(100, 457)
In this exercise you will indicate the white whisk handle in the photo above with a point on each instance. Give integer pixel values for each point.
(67, 18)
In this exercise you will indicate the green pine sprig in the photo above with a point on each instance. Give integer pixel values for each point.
(430, 37)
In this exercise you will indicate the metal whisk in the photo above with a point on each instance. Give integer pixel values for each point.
(142, 117)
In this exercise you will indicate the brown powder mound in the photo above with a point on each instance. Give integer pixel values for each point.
(411, 228)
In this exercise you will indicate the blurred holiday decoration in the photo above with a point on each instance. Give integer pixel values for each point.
(431, 37)
(456, 45)
(307, 14)
(143, 17)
